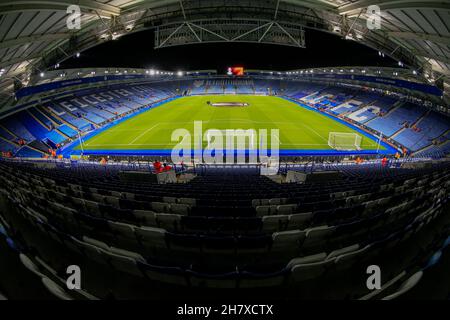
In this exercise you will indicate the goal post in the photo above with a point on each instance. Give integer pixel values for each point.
(344, 141)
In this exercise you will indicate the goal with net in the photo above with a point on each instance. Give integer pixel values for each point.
(344, 141)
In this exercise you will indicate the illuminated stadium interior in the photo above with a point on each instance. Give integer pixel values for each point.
(208, 150)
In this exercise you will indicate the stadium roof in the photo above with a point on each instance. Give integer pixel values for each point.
(35, 36)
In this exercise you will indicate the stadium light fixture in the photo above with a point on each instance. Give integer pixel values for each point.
(180, 73)
(77, 55)
(42, 74)
(414, 72)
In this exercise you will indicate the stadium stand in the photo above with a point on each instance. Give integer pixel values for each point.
(60, 120)
(272, 236)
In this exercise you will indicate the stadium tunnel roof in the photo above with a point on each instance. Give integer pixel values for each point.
(34, 35)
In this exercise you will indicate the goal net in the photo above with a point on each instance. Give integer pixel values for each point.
(344, 141)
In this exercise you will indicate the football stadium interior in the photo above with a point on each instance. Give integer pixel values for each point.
(325, 182)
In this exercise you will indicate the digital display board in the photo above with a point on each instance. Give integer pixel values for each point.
(235, 71)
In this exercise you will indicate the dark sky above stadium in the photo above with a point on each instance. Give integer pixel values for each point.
(136, 51)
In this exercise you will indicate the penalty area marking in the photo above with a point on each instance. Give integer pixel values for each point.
(143, 133)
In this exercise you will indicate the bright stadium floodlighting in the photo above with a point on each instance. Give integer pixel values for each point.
(77, 55)
(180, 73)
(414, 72)
(42, 74)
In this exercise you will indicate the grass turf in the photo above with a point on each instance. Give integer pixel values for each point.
(299, 128)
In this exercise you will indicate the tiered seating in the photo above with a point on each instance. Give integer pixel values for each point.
(262, 86)
(305, 89)
(347, 107)
(78, 122)
(27, 152)
(38, 130)
(423, 134)
(244, 87)
(6, 146)
(68, 131)
(214, 87)
(229, 87)
(382, 105)
(404, 115)
(15, 126)
(275, 235)
(6, 135)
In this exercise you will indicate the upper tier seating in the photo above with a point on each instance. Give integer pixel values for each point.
(85, 110)
(220, 237)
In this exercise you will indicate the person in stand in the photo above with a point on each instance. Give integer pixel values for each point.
(157, 166)
(103, 161)
(384, 162)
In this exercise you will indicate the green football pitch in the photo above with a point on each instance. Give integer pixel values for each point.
(299, 128)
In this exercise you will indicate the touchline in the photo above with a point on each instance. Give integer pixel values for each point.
(225, 146)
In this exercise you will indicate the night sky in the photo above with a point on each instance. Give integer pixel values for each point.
(136, 51)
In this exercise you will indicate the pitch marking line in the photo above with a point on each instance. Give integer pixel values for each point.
(315, 132)
(143, 133)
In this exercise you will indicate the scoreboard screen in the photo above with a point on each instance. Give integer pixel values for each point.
(235, 71)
